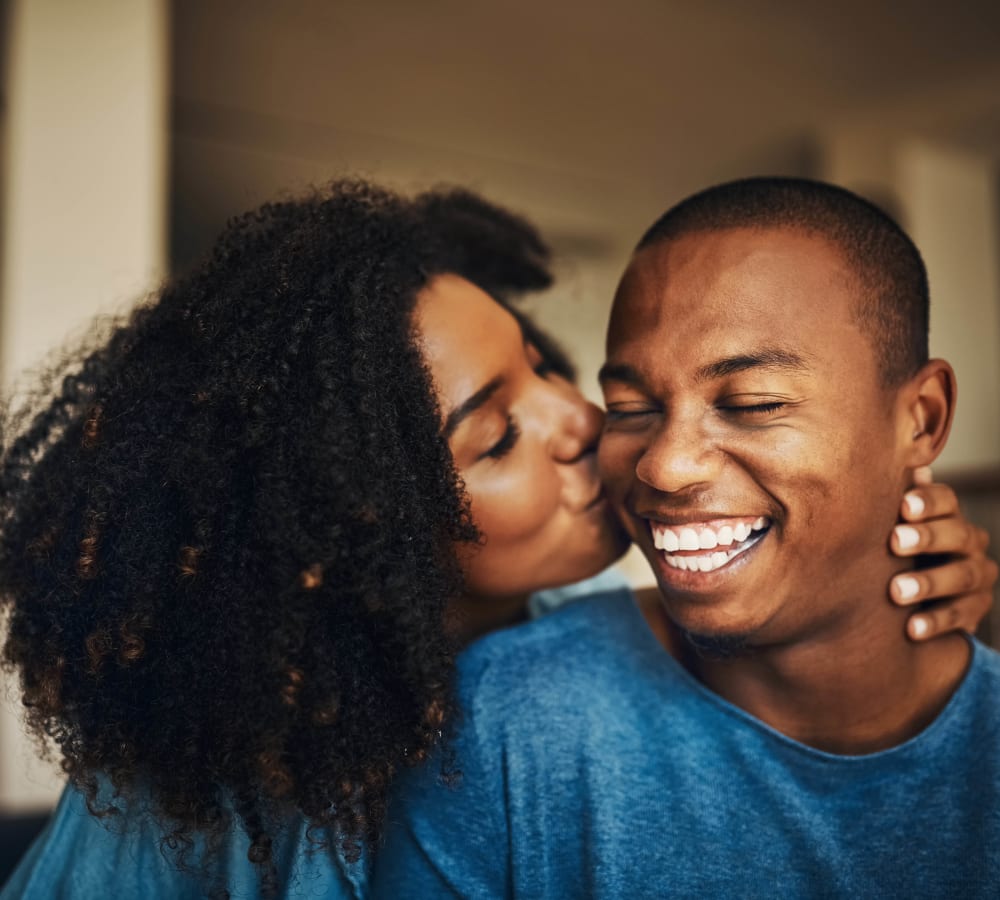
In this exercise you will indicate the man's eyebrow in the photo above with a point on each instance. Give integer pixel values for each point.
(622, 372)
(467, 407)
(766, 358)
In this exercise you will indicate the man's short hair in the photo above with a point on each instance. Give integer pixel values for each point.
(893, 307)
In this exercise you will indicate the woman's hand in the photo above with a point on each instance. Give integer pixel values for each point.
(963, 577)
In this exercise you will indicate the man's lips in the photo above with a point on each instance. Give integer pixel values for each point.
(707, 544)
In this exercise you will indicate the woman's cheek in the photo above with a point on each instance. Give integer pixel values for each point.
(513, 504)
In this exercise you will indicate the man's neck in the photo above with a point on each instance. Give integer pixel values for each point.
(857, 689)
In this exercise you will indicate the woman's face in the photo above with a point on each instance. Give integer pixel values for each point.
(524, 442)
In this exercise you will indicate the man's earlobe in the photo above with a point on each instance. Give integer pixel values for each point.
(930, 410)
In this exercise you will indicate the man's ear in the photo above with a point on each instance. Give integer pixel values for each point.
(929, 407)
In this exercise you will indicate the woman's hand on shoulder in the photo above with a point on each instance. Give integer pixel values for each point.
(953, 569)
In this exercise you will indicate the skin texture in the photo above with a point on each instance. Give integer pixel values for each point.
(738, 386)
(526, 454)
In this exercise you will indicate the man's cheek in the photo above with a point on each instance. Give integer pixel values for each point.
(821, 523)
(616, 460)
(634, 528)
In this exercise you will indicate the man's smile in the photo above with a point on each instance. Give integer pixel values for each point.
(683, 547)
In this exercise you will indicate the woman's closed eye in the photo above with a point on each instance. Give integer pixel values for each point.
(506, 443)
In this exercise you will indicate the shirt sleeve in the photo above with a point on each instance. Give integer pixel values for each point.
(79, 857)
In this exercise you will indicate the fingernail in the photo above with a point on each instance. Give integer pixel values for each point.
(907, 537)
(914, 504)
(907, 587)
(919, 627)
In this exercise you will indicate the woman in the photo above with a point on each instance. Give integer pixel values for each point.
(230, 540)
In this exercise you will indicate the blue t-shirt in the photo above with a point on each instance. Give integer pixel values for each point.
(593, 765)
(78, 857)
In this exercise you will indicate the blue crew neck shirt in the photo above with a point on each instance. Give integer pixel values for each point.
(593, 765)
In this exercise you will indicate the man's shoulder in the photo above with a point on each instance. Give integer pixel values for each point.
(970, 723)
(985, 671)
(545, 664)
(596, 622)
(988, 658)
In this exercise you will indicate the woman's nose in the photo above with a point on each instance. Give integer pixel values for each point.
(578, 426)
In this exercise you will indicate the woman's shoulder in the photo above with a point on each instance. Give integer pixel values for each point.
(122, 854)
(80, 855)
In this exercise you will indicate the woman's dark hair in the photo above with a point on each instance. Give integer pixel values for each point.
(228, 528)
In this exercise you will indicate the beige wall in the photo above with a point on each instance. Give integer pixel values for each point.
(947, 195)
(952, 204)
(83, 208)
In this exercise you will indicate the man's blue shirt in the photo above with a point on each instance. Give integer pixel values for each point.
(593, 765)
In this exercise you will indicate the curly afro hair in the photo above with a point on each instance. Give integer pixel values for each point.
(229, 527)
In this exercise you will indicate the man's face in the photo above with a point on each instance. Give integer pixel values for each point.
(748, 446)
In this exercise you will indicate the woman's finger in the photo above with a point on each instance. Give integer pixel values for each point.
(962, 614)
(929, 501)
(964, 576)
(949, 535)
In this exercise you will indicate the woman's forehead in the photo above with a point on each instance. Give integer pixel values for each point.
(466, 337)
(454, 316)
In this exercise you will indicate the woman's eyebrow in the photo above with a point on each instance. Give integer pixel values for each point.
(461, 412)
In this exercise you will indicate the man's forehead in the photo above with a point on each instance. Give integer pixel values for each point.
(759, 271)
(767, 299)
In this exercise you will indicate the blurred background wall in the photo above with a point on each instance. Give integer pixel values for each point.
(132, 129)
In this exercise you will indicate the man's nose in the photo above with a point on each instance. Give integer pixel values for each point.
(681, 456)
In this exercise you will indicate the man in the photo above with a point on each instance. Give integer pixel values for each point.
(769, 395)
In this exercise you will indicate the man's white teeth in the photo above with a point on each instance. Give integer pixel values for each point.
(704, 537)
(708, 562)
(689, 539)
